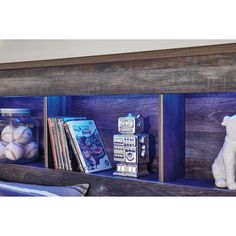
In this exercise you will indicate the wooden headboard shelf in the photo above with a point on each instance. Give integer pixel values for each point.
(182, 93)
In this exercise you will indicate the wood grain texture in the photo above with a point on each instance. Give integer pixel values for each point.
(172, 136)
(204, 133)
(105, 186)
(192, 74)
(198, 168)
(134, 56)
(105, 111)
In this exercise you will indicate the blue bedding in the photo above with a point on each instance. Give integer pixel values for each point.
(5, 192)
(20, 189)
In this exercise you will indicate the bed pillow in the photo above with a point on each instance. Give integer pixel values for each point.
(19, 189)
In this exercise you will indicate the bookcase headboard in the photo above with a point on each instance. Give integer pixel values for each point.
(184, 92)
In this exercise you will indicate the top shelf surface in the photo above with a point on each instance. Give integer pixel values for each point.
(124, 57)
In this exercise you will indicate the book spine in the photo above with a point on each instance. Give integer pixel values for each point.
(52, 143)
(45, 132)
(74, 148)
(64, 145)
(55, 135)
(61, 145)
(67, 154)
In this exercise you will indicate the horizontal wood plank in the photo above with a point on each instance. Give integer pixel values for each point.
(104, 186)
(187, 74)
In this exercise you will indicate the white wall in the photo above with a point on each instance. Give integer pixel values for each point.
(27, 50)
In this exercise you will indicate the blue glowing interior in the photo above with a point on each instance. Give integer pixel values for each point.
(204, 113)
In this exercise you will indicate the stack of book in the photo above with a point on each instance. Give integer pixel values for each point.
(77, 145)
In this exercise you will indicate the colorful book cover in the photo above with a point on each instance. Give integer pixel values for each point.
(89, 145)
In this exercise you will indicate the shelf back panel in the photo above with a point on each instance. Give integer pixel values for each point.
(204, 132)
(105, 111)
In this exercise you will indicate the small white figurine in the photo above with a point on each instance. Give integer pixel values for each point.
(224, 166)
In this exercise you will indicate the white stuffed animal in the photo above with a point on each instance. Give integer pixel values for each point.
(224, 166)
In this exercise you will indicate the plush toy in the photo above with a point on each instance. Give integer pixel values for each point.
(224, 166)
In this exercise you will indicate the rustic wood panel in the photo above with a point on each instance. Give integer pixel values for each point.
(106, 110)
(35, 104)
(192, 74)
(198, 168)
(204, 133)
(106, 186)
(134, 56)
(172, 145)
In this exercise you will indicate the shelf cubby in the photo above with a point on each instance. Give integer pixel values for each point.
(183, 95)
(172, 120)
(105, 111)
(204, 134)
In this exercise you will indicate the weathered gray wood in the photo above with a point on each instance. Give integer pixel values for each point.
(199, 168)
(212, 73)
(104, 186)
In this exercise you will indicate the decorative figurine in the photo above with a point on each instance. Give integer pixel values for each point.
(131, 147)
(224, 166)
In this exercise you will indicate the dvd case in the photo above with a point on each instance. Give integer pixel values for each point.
(89, 145)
